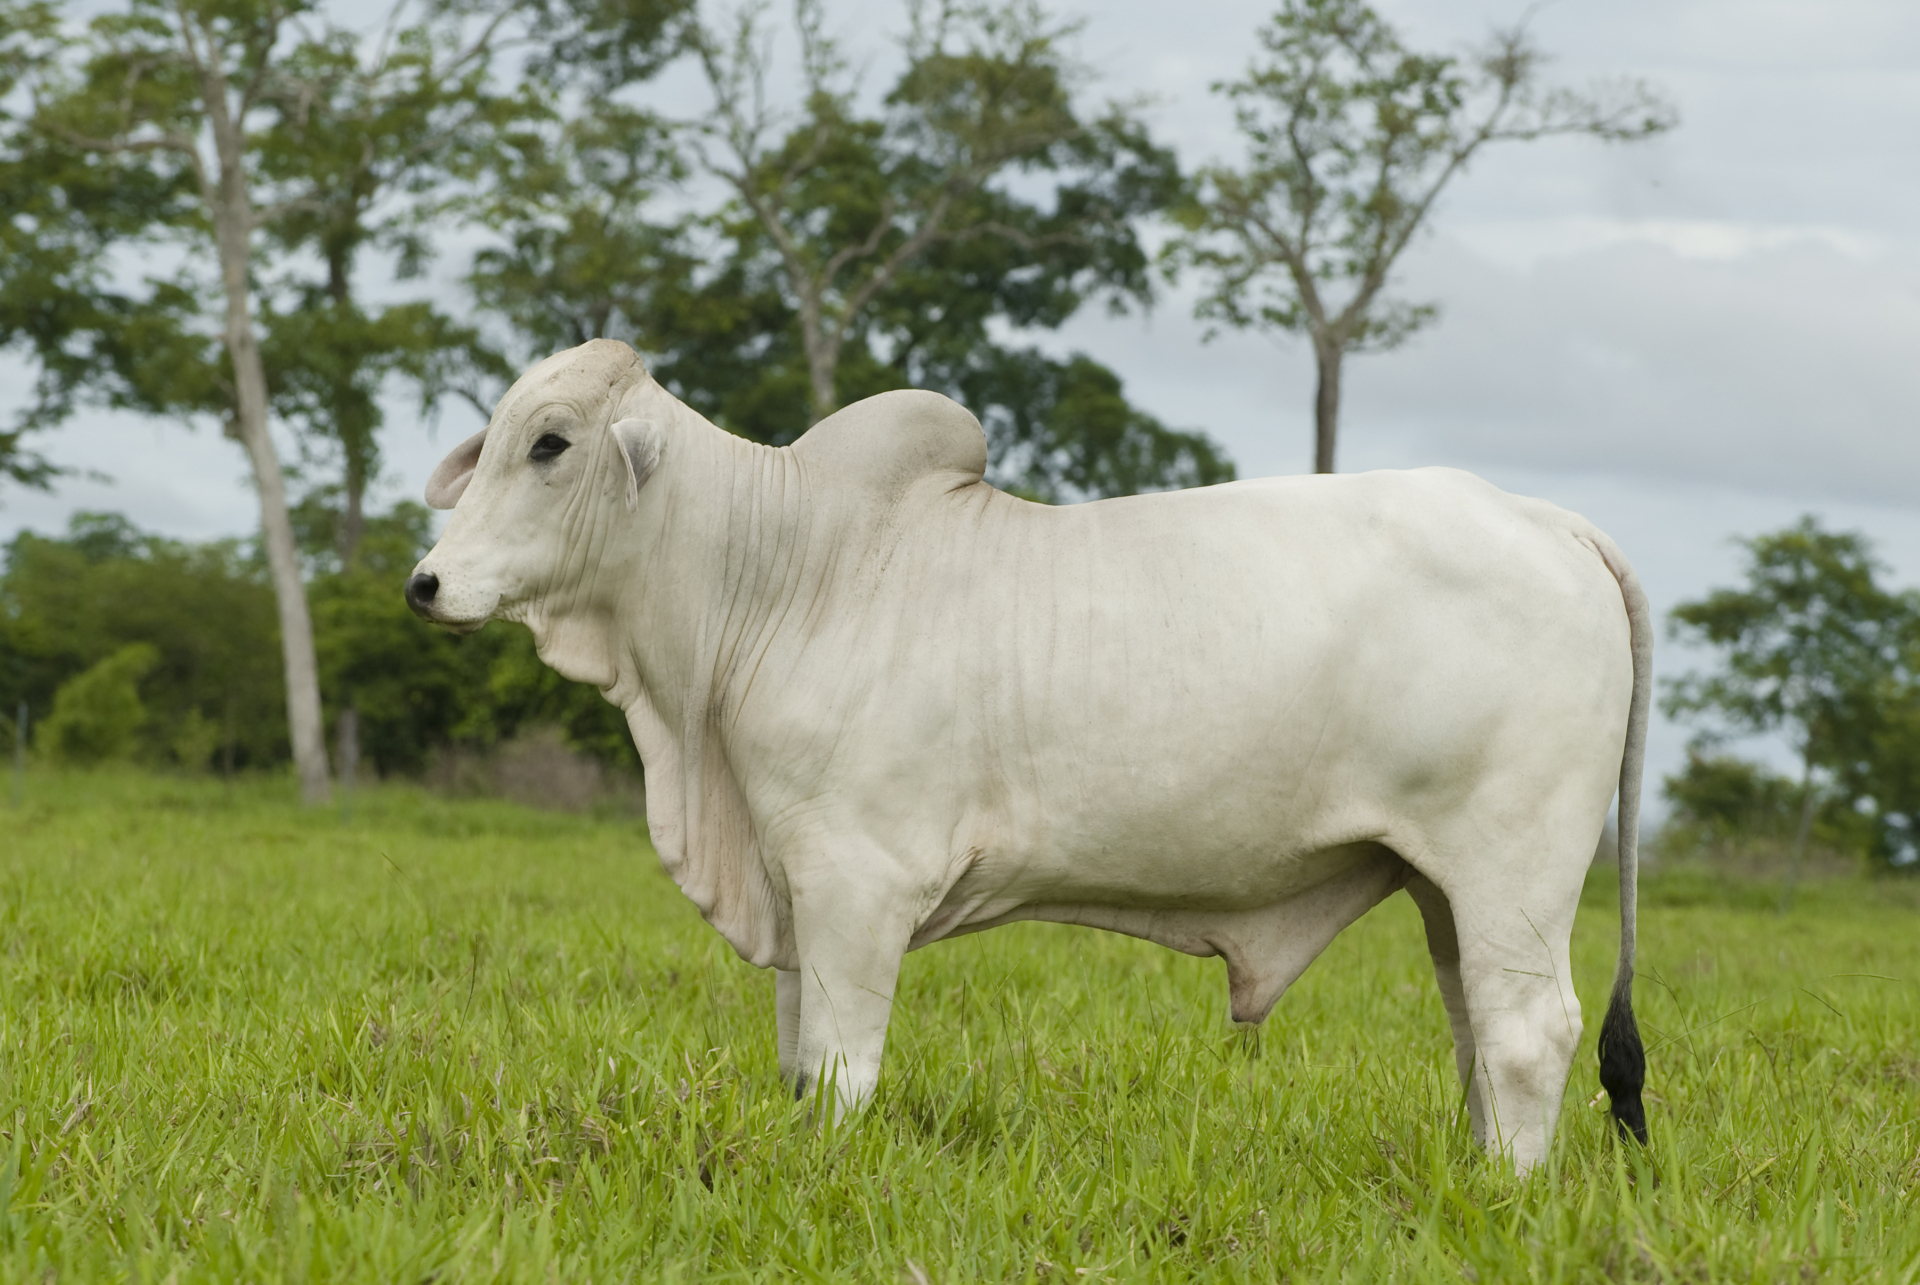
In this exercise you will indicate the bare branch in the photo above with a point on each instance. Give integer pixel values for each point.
(308, 204)
(848, 253)
(169, 142)
(890, 268)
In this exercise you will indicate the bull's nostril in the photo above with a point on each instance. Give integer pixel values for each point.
(420, 589)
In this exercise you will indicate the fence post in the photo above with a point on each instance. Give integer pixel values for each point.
(20, 756)
(349, 729)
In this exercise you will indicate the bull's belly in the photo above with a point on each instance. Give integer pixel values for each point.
(1082, 883)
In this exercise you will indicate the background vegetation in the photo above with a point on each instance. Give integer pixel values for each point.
(1815, 650)
(210, 698)
(217, 211)
(245, 1041)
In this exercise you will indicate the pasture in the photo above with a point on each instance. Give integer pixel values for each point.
(457, 1041)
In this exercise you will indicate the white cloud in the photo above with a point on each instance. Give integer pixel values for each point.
(1524, 243)
(1787, 370)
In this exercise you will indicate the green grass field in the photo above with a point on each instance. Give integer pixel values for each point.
(452, 1041)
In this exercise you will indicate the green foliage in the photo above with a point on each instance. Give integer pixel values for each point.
(109, 158)
(1727, 806)
(110, 152)
(69, 604)
(1805, 642)
(410, 682)
(860, 252)
(418, 687)
(66, 605)
(1064, 430)
(1815, 649)
(1351, 138)
(605, 43)
(60, 211)
(370, 138)
(328, 361)
(195, 741)
(97, 715)
(1732, 796)
(583, 255)
(473, 1042)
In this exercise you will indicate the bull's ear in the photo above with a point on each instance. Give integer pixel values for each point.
(455, 471)
(639, 442)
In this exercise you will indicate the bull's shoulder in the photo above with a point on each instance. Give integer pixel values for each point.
(888, 442)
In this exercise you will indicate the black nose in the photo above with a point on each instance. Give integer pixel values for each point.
(421, 587)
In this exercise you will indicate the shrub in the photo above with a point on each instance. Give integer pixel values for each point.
(97, 714)
(1743, 812)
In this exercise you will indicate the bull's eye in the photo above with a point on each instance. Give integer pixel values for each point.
(549, 445)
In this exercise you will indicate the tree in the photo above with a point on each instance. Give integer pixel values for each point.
(1059, 431)
(25, 30)
(1351, 139)
(850, 203)
(58, 216)
(860, 251)
(372, 132)
(584, 252)
(221, 126)
(569, 193)
(1813, 648)
(177, 90)
(1890, 775)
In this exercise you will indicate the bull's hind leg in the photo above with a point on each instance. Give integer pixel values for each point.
(1515, 976)
(1443, 943)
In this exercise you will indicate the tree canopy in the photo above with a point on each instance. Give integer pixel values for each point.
(1813, 648)
(857, 249)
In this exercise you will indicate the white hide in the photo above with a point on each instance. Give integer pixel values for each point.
(880, 703)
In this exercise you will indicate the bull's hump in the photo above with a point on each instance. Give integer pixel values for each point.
(889, 442)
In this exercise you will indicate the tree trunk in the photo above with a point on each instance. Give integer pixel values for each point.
(304, 726)
(353, 521)
(233, 232)
(821, 360)
(355, 448)
(1326, 405)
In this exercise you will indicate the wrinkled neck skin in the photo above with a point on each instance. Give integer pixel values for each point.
(670, 605)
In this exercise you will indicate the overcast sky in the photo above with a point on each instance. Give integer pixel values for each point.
(1688, 339)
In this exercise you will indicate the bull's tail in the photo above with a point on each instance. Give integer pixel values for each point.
(1623, 1062)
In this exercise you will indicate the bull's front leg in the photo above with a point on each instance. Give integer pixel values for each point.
(786, 1017)
(851, 929)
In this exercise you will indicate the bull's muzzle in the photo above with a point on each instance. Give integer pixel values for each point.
(421, 587)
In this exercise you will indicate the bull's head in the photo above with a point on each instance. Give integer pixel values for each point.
(537, 496)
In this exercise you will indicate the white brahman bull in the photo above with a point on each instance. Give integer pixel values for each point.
(881, 703)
